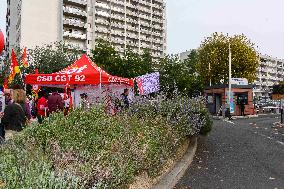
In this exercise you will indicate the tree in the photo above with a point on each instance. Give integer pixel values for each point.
(52, 58)
(129, 65)
(213, 61)
(180, 75)
(47, 59)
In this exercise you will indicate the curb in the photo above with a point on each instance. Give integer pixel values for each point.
(170, 179)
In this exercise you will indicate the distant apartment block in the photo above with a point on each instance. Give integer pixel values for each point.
(184, 55)
(138, 24)
(269, 73)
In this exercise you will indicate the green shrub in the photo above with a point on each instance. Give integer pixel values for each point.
(90, 149)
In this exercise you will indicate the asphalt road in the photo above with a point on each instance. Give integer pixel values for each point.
(242, 154)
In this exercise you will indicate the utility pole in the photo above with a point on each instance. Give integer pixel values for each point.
(230, 75)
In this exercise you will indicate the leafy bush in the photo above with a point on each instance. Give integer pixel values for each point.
(94, 150)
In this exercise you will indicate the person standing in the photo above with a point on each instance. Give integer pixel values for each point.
(42, 107)
(84, 104)
(125, 99)
(15, 115)
(242, 107)
(55, 103)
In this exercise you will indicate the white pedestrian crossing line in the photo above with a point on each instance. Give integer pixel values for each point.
(270, 138)
(228, 121)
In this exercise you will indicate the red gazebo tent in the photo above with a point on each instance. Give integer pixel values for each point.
(81, 72)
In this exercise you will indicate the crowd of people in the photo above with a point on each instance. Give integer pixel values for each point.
(20, 110)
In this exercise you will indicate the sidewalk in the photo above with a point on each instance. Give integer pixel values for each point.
(244, 117)
(235, 117)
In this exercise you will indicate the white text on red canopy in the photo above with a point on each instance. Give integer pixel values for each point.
(61, 78)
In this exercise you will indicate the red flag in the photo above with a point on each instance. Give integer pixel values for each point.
(25, 62)
(14, 68)
(5, 84)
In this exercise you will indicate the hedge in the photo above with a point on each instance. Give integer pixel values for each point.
(90, 149)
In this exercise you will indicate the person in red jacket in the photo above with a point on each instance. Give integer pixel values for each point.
(42, 107)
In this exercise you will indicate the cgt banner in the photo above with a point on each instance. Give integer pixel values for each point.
(148, 83)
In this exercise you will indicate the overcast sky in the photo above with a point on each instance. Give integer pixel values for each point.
(190, 21)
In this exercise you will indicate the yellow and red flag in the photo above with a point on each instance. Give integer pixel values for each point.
(25, 62)
(14, 68)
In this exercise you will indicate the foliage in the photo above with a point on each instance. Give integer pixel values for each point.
(214, 51)
(129, 65)
(47, 59)
(180, 74)
(278, 89)
(52, 58)
(94, 150)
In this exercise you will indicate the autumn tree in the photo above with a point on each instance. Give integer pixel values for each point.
(213, 63)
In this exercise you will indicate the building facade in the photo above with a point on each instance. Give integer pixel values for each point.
(184, 55)
(138, 24)
(270, 72)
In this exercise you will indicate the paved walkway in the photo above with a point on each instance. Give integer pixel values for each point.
(241, 154)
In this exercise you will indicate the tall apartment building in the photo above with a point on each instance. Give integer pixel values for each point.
(269, 73)
(138, 24)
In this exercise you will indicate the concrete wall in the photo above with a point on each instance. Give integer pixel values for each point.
(41, 22)
(12, 34)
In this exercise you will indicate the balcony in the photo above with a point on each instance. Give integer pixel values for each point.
(145, 39)
(133, 44)
(117, 41)
(116, 17)
(157, 41)
(145, 10)
(157, 34)
(135, 29)
(145, 24)
(145, 17)
(132, 36)
(75, 23)
(160, 7)
(118, 2)
(145, 31)
(145, 3)
(102, 22)
(74, 35)
(74, 12)
(118, 10)
(157, 27)
(145, 46)
(116, 25)
(76, 46)
(117, 33)
(82, 3)
(103, 5)
(158, 13)
(158, 20)
(103, 30)
(132, 13)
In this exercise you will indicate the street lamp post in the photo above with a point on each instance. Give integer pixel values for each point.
(210, 82)
(230, 75)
